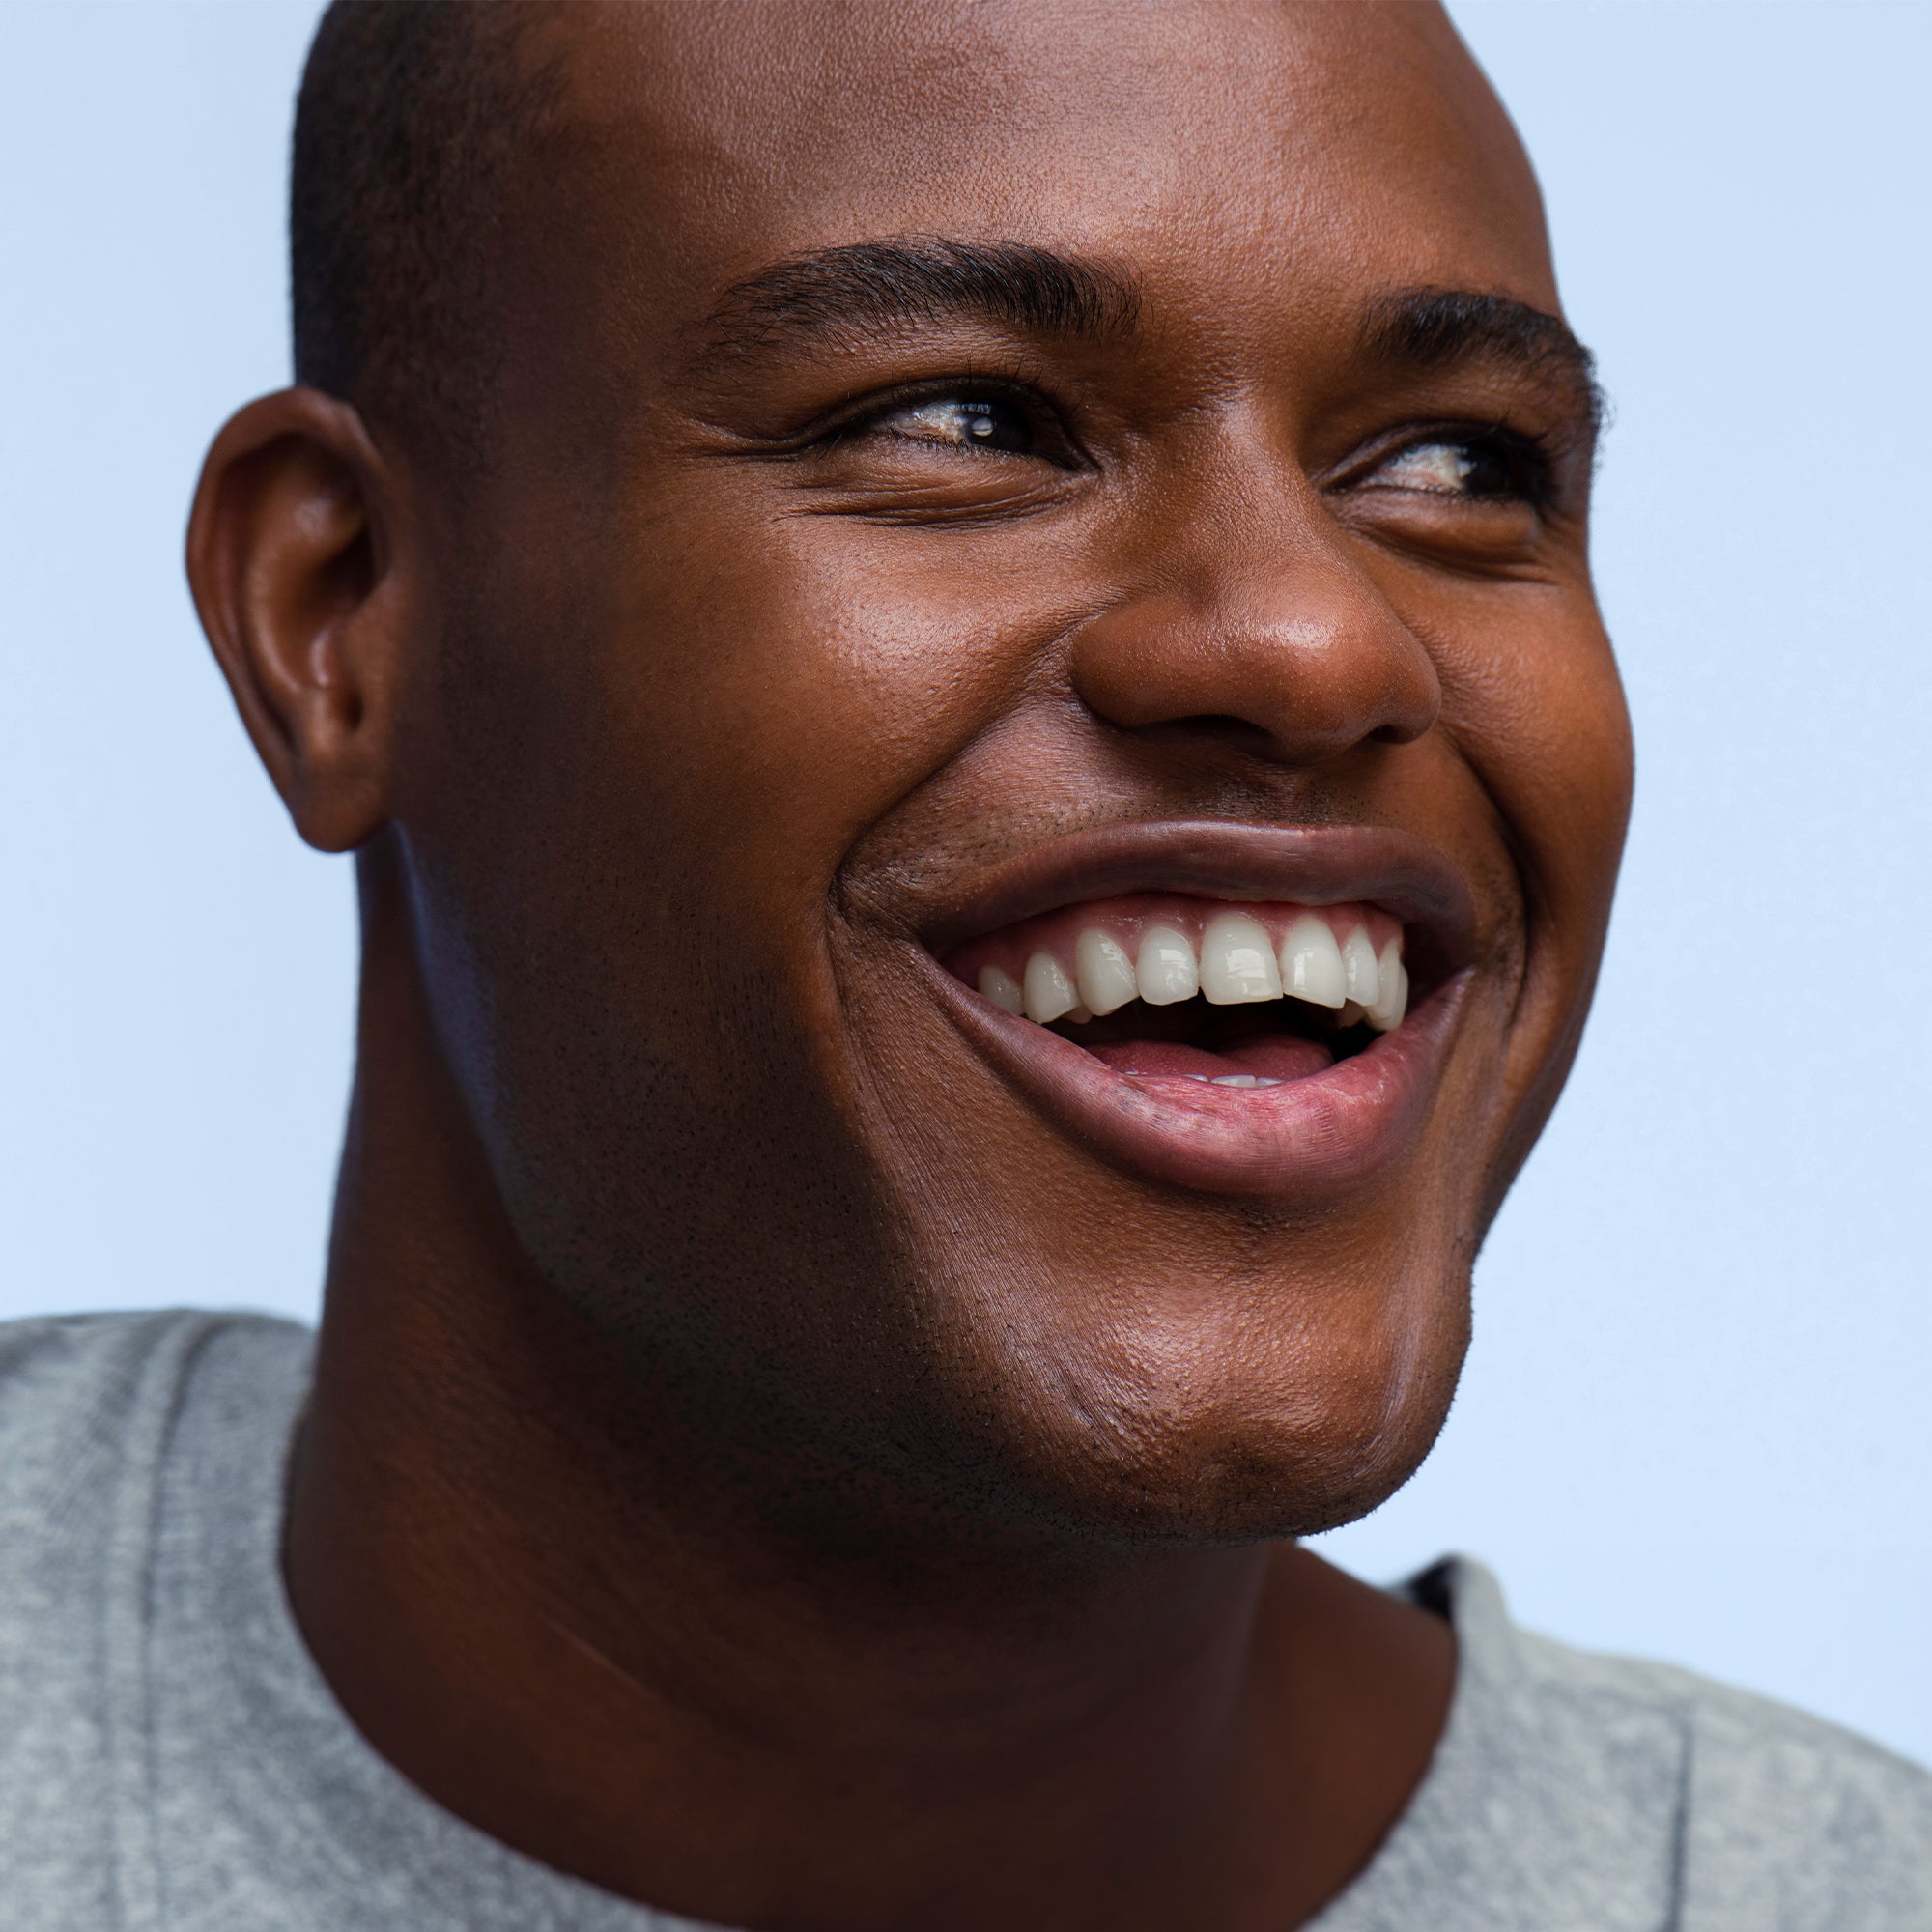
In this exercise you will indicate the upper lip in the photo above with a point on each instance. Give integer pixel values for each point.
(1301, 865)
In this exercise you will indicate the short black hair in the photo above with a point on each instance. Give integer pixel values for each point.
(408, 124)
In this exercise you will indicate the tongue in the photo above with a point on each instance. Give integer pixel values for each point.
(1272, 1056)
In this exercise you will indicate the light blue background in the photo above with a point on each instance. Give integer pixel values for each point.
(1696, 1421)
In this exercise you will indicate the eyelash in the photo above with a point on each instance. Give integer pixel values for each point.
(1039, 414)
(1530, 459)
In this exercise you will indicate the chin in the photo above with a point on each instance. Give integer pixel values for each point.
(1256, 1486)
(1266, 1451)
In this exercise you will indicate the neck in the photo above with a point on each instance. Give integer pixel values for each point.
(565, 1629)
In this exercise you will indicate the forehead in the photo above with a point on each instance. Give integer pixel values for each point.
(1232, 153)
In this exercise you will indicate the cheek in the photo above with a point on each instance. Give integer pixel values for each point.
(1532, 699)
(1539, 716)
(1552, 744)
(795, 694)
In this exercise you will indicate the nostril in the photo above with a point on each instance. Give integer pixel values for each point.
(1402, 731)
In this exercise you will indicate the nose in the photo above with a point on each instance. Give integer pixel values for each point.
(1260, 615)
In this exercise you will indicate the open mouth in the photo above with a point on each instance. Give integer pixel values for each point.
(1163, 986)
(1247, 1008)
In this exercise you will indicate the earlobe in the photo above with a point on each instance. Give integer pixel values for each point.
(292, 572)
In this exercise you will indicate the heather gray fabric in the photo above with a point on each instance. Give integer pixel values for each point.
(170, 1759)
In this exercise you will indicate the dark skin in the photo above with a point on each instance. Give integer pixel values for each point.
(761, 1459)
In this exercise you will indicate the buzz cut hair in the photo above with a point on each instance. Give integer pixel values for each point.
(410, 120)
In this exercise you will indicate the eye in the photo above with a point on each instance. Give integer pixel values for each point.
(960, 445)
(1490, 465)
(962, 422)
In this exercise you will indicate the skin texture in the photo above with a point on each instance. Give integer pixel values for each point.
(760, 1460)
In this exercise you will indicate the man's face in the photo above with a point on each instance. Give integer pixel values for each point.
(990, 493)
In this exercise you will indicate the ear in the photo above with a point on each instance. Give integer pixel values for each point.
(292, 560)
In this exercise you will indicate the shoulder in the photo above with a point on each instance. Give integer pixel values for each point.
(1785, 1820)
(88, 1399)
(87, 1403)
(88, 1406)
(1775, 1818)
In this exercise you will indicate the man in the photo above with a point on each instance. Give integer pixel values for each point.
(956, 646)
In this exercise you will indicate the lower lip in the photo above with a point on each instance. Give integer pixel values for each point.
(1315, 1138)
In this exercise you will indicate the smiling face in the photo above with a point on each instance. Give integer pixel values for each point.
(1014, 808)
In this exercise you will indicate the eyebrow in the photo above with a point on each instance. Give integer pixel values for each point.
(1428, 328)
(816, 297)
(865, 285)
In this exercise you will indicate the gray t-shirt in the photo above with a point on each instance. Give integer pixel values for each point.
(171, 1761)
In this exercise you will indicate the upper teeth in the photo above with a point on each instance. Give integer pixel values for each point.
(1048, 993)
(1107, 976)
(1237, 961)
(1166, 969)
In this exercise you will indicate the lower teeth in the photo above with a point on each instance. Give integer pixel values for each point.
(1233, 1079)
